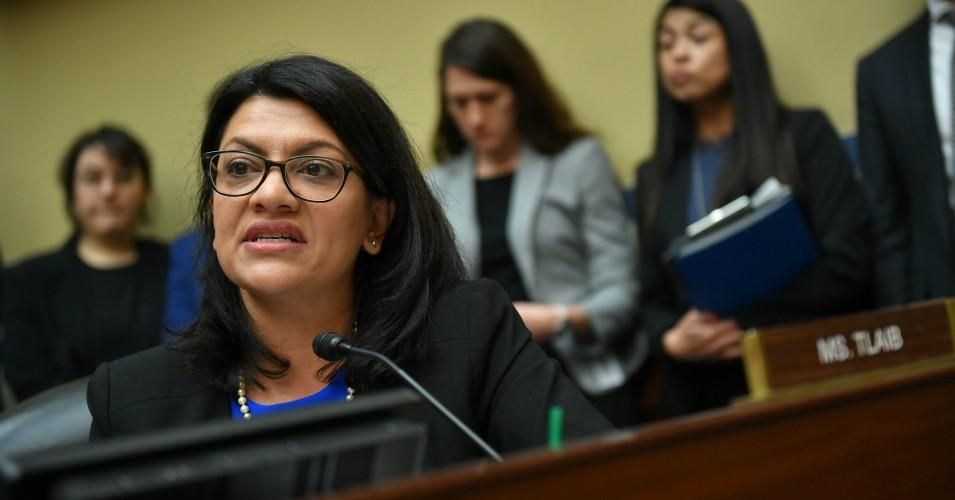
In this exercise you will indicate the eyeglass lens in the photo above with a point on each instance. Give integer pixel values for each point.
(311, 177)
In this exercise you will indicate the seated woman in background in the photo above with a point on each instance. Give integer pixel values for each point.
(343, 236)
(100, 296)
(535, 206)
(722, 132)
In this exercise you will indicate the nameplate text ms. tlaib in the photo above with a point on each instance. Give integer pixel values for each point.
(838, 348)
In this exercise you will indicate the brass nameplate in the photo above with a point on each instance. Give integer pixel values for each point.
(790, 355)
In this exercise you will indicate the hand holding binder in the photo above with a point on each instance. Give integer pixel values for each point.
(744, 251)
(703, 336)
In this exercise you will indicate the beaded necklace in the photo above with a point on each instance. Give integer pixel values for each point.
(244, 402)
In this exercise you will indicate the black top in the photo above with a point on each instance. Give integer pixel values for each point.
(493, 197)
(839, 282)
(64, 318)
(481, 364)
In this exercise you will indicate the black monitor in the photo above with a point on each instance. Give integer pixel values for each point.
(331, 447)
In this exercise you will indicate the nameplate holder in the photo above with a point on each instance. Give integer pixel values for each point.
(788, 356)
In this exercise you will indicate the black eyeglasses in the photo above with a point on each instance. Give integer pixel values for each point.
(312, 178)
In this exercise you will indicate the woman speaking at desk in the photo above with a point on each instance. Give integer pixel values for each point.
(722, 132)
(317, 219)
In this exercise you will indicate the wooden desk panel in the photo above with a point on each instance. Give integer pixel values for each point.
(892, 438)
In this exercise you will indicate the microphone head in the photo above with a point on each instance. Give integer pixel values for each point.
(328, 346)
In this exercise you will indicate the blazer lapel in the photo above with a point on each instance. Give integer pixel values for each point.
(530, 179)
(462, 210)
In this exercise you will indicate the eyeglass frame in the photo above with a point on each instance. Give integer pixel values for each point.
(209, 155)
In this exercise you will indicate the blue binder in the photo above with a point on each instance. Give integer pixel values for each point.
(751, 257)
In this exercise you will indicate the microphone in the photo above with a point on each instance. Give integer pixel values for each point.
(332, 347)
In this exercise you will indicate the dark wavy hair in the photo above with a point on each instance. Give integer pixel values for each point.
(119, 144)
(761, 145)
(491, 50)
(395, 290)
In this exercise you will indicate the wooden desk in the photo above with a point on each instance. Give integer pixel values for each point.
(887, 438)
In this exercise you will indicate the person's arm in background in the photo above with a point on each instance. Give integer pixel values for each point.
(677, 334)
(29, 341)
(885, 191)
(610, 306)
(657, 302)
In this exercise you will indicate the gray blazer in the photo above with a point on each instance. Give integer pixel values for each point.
(572, 243)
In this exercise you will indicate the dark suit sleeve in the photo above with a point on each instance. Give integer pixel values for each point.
(884, 188)
(30, 344)
(838, 217)
(97, 399)
(484, 367)
(658, 304)
(517, 383)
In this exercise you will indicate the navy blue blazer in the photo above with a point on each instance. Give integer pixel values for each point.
(904, 170)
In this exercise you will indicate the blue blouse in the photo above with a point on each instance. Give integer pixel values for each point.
(336, 390)
(706, 165)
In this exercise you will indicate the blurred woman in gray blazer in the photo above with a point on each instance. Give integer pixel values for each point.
(535, 206)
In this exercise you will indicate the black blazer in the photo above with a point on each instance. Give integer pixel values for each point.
(482, 365)
(59, 327)
(835, 211)
(904, 169)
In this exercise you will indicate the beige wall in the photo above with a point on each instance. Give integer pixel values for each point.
(68, 65)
